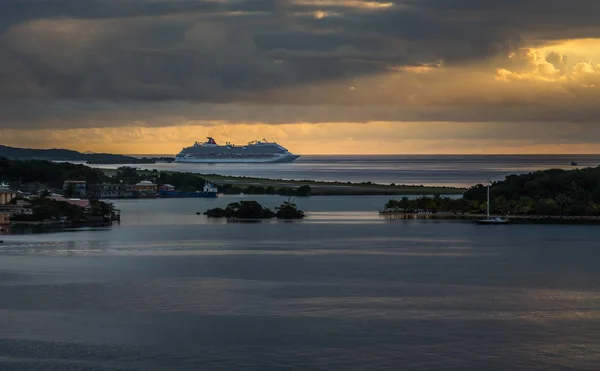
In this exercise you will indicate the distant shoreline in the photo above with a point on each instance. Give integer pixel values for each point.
(560, 155)
(321, 188)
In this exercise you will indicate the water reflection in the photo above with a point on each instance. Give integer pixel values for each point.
(449, 170)
(341, 290)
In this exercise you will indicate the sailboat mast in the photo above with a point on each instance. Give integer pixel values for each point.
(488, 200)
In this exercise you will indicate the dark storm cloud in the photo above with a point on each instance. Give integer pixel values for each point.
(259, 50)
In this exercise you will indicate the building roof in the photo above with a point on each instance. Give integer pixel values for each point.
(73, 201)
(145, 182)
(75, 181)
(80, 203)
(5, 188)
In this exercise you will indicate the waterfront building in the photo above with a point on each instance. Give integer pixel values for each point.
(108, 190)
(6, 194)
(146, 187)
(78, 187)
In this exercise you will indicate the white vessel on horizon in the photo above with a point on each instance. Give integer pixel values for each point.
(260, 151)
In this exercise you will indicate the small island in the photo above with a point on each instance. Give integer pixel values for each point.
(254, 210)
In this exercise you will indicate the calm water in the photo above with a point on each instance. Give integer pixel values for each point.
(342, 290)
(429, 170)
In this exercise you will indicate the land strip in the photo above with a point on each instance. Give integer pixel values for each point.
(318, 188)
(334, 188)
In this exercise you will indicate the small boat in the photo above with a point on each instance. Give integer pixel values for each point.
(574, 163)
(495, 220)
(489, 219)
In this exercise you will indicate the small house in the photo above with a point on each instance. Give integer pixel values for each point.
(146, 186)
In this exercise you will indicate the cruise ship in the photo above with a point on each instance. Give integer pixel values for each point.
(258, 151)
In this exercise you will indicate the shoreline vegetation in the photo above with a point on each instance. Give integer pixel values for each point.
(548, 195)
(31, 175)
(325, 188)
(561, 196)
(46, 211)
(253, 210)
(257, 186)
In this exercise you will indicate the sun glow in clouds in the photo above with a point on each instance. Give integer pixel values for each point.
(346, 3)
(572, 61)
(324, 138)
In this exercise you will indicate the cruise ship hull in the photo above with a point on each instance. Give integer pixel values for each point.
(216, 160)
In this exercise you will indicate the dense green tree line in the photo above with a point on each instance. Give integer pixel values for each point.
(254, 210)
(549, 192)
(17, 172)
(45, 208)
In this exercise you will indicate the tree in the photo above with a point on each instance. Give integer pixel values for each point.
(303, 190)
(564, 203)
(593, 208)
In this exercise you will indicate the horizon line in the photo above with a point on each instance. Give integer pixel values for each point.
(389, 154)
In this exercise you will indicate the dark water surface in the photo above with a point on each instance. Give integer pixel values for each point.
(448, 170)
(341, 290)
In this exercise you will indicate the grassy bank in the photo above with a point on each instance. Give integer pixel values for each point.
(332, 188)
(252, 185)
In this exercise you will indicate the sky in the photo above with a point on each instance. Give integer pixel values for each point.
(317, 76)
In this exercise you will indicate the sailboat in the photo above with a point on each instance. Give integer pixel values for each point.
(489, 219)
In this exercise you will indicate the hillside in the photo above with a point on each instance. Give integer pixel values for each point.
(68, 155)
(17, 172)
(548, 192)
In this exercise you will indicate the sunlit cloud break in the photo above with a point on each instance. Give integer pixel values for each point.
(336, 66)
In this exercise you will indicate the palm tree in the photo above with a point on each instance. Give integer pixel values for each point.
(563, 202)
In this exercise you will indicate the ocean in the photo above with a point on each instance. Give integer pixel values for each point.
(344, 289)
(441, 170)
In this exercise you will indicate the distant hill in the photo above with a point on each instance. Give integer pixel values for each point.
(69, 155)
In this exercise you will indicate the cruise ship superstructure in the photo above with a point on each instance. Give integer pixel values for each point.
(260, 151)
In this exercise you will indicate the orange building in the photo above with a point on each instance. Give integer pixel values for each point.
(146, 186)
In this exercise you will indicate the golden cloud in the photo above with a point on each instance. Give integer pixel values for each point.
(552, 64)
(326, 138)
(346, 3)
